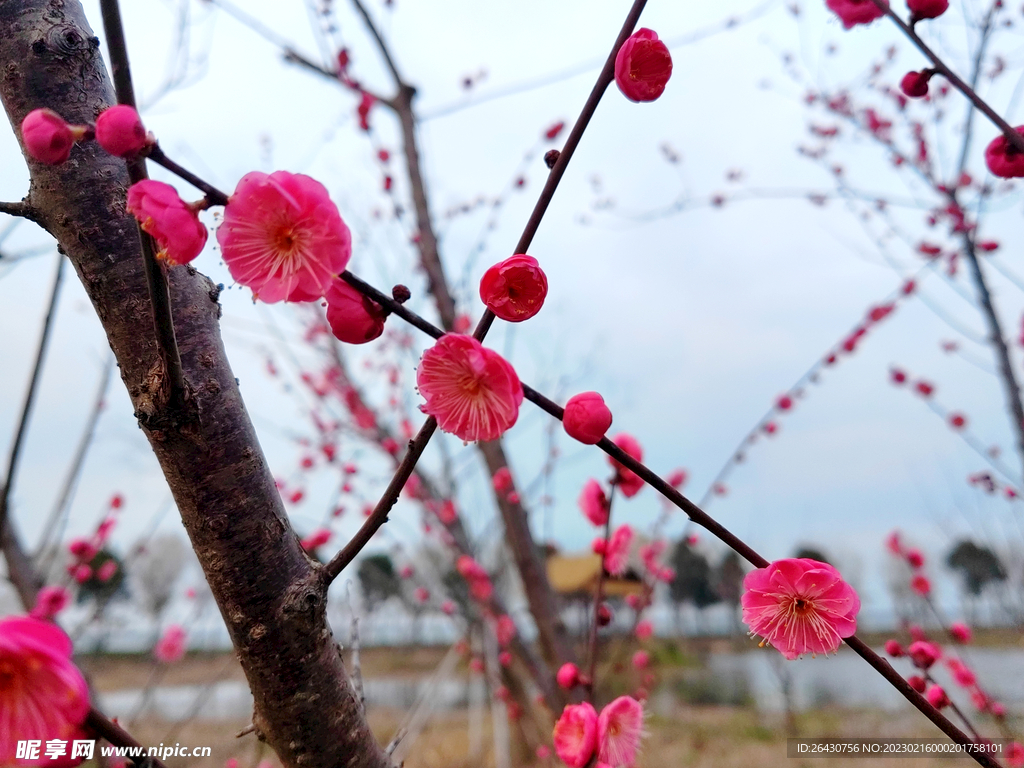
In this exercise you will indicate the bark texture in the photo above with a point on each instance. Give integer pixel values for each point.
(270, 593)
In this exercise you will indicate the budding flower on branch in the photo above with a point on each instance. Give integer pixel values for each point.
(853, 12)
(120, 132)
(1003, 159)
(353, 317)
(586, 417)
(48, 138)
(172, 222)
(927, 9)
(643, 66)
(515, 288)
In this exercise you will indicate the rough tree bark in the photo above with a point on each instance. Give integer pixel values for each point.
(269, 592)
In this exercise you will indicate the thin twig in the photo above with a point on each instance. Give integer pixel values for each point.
(555, 176)
(381, 45)
(701, 518)
(379, 516)
(62, 505)
(159, 291)
(33, 386)
(1011, 135)
(598, 597)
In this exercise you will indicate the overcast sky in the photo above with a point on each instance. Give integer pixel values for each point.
(690, 323)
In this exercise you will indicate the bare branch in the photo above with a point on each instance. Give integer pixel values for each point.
(159, 292)
(1011, 135)
(33, 386)
(62, 505)
(381, 45)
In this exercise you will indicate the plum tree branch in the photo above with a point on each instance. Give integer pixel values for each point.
(265, 585)
(30, 395)
(159, 291)
(1011, 135)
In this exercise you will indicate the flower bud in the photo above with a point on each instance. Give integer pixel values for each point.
(587, 418)
(643, 66)
(915, 84)
(172, 223)
(353, 317)
(120, 132)
(515, 288)
(47, 137)
(1003, 159)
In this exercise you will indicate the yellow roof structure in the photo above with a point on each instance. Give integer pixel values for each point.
(575, 574)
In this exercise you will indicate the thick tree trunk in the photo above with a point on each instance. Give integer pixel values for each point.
(269, 592)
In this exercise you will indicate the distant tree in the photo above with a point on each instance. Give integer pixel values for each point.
(155, 569)
(729, 584)
(378, 580)
(811, 553)
(693, 580)
(978, 566)
(105, 582)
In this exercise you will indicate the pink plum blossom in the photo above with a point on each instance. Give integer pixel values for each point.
(120, 132)
(799, 605)
(960, 632)
(594, 503)
(644, 629)
(586, 418)
(353, 317)
(628, 481)
(616, 555)
(575, 734)
(643, 66)
(515, 288)
(620, 727)
(171, 645)
(1003, 159)
(168, 219)
(927, 9)
(568, 675)
(47, 138)
(472, 391)
(283, 237)
(50, 601)
(43, 695)
(853, 12)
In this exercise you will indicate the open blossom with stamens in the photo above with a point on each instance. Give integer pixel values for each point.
(800, 605)
(171, 221)
(472, 391)
(575, 734)
(620, 727)
(283, 237)
(43, 696)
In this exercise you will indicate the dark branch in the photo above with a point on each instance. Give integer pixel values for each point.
(159, 292)
(33, 386)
